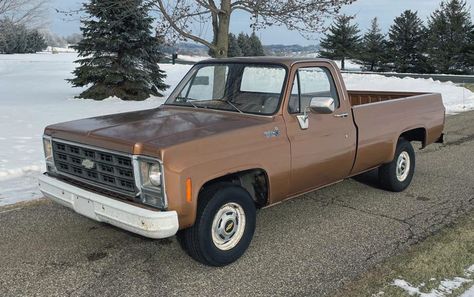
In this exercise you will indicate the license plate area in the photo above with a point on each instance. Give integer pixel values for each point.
(84, 207)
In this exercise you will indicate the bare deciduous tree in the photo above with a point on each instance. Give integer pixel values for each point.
(31, 13)
(179, 17)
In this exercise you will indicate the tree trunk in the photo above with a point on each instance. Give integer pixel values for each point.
(222, 38)
(222, 46)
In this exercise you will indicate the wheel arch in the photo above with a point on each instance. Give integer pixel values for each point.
(412, 134)
(254, 180)
(416, 134)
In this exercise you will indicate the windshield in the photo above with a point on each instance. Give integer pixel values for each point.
(237, 87)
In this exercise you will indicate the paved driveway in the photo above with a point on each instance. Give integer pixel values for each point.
(307, 246)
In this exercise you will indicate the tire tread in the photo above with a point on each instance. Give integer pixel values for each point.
(189, 238)
(387, 172)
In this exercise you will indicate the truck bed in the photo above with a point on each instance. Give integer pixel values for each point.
(366, 97)
(381, 117)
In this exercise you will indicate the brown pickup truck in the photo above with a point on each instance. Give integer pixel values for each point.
(234, 136)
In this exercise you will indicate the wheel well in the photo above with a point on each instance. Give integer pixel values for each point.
(418, 134)
(255, 181)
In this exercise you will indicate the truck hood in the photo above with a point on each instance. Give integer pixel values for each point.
(151, 130)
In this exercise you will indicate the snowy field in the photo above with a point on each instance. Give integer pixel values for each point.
(34, 93)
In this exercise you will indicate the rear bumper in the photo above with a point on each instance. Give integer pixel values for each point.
(145, 222)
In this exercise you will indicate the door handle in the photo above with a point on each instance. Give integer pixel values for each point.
(342, 115)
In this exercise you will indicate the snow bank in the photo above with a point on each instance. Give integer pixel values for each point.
(192, 58)
(456, 99)
(34, 94)
(57, 50)
(348, 64)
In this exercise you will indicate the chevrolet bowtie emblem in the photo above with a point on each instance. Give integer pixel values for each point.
(88, 164)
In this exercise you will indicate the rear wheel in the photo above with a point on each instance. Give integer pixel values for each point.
(224, 225)
(396, 176)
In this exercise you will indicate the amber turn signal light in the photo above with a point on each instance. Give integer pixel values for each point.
(189, 190)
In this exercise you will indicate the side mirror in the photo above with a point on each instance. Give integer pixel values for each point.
(324, 105)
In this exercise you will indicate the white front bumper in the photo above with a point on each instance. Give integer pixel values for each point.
(148, 223)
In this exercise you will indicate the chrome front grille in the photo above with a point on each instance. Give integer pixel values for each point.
(101, 168)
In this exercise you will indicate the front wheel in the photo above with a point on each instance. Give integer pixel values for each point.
(224, 225)
(396, 176)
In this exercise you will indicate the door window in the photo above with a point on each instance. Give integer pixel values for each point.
(309, 83)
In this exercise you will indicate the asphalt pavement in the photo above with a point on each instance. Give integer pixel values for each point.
(308, 246)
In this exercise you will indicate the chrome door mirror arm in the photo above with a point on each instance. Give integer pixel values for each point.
(303, 119)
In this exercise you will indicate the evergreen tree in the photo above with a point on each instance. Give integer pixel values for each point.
(406, 42)
(35, 42)
(449, 40)
(21, 36)
(119, 56)
(244, 44)
(373, 48)
(234, 48)
(256, 47)
(470, 52)
(342, 40)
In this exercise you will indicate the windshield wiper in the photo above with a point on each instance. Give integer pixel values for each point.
(186, 100)
(231, 104)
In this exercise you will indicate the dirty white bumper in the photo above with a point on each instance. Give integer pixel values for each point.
(148, 223)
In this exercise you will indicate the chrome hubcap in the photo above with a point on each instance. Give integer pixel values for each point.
(228, 226)
(403, 166)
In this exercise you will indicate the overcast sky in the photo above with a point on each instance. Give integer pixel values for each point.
(365, 10)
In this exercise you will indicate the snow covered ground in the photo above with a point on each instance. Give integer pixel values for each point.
(469, 292)
(34, 93)
(445, 288)
(193, 58)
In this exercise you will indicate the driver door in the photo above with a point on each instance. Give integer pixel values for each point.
(323, 152)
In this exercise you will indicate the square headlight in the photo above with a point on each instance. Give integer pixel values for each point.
(48, 149)
(150, 173)
(48, 154)
(151, 182)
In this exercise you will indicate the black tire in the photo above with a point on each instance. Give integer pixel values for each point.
(197, 240)
(388, 178)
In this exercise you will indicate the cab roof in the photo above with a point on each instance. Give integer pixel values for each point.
(288, 61)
